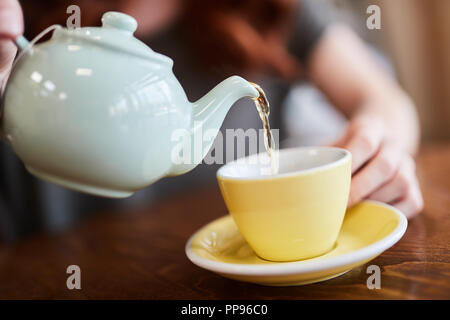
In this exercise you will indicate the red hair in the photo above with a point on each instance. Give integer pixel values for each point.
(247, 36)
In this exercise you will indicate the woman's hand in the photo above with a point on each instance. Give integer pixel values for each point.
(384, 127)
(11, 26)
(381, 170)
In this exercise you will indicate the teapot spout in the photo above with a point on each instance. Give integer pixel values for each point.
(208, 114)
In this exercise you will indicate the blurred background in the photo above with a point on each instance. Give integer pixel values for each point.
(416, 38)
(413, 44)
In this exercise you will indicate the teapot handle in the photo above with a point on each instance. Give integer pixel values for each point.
(24, 45)
(21, 42)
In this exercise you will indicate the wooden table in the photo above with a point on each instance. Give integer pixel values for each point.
(140, 254)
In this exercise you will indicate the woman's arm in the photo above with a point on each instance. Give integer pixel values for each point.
(383, 131)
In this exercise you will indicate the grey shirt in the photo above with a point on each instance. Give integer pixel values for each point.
(28, 204)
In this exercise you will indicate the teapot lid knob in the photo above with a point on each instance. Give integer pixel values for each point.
(120, 21)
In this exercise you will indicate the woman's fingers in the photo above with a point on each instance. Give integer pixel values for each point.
(11, 26)
(11, 19)
(411, 201)
(380, 171)
(376, 173)
(402, 190)
(363, 139)
(412, 204)
(399, 186)
(7, 53)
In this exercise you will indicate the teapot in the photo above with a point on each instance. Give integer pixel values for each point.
(96, 110)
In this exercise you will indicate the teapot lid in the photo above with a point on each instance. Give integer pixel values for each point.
(116, 33)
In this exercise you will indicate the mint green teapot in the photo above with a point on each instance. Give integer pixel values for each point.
(96, 110)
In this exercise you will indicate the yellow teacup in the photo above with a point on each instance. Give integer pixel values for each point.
(295, 214)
